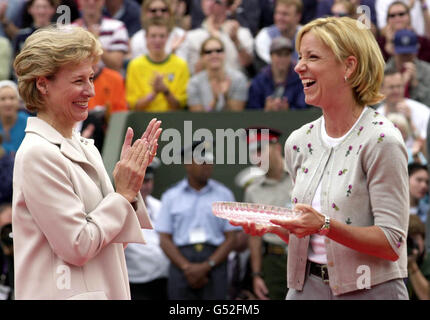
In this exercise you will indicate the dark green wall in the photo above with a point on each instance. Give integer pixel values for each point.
(168, 174)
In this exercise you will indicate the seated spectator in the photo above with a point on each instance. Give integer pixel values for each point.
(416, 113)
(6, 175)
(127, 11)
(418, 281)
(111, 33)
(415, 72)
(5, 58)
(324, 8)
(238, 41)
(6, 253)
(12, 121)
(418, 190)
(216, 88)
(287, 18)
(146, 263)
(157, 81)
(277, 86)
(399, 18)
(158, 9)
(343, 8)
(414, 146)
(10, 17)
(418, 10)
(41, 12)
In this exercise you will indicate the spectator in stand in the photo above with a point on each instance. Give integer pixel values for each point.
(399, 18)
(238, 41)
(416, 113)
(10, 18)
(415, 72)
(216, 88)
(324, 8)
(111, 33)
(12, 120)
(343, 8)
(196, 242)
(287, 17)
(146, 263)
(181, 14)
(41, 12)
(418, 261)
(163, 10)
(157, 81)
(5, 58)
(277, 86)
(418, 190)
(127, 11)
(418, 11)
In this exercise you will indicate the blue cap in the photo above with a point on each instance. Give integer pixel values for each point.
(405, 42)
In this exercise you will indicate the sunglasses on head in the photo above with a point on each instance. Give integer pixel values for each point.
(155, 10)
(400, 14)
(213, 50)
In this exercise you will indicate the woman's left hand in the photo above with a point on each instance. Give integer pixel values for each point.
(309, 221)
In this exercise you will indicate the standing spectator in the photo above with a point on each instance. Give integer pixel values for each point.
(277, 86)
(158, 81)
(399, 18)
(161, 9)
(146, 263)
(111, 33)
(418, 190)
(127, 11)
(12, 121)
(418, 261)
(216, 88)
(415, 72)
(41, 12)
(269, 252)
(5, 58)
(196, 242)
(287, 18)
(416, 113)
(238, 41)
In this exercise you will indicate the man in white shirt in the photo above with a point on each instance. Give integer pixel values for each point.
(237, 40)
(146, 263)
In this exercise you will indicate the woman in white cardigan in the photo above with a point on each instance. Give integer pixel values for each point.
(70, 225)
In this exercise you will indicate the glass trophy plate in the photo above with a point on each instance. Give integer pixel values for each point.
(260, 214)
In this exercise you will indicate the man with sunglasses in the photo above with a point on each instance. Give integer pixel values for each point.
(399, 18)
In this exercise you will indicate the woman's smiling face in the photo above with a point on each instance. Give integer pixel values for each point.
(321, 73)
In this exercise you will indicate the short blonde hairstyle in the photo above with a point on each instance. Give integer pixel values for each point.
(45, 52)
(345, 38)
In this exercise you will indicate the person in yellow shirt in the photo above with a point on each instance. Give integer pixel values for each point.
(157, 82)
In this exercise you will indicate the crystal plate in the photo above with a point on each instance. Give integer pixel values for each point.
(260, 214)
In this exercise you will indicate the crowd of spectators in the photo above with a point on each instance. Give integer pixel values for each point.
(209, 56)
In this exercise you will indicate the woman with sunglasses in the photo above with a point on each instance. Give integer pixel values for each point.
(399, 18)
(215, 88)
(161, 9)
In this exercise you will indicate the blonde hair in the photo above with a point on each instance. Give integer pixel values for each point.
(401, 122)
(145, 9)
(45, 52)
(345, 38)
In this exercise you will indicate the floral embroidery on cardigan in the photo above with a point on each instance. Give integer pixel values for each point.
(334, 206)
(310, 148)
(305, 170)
(341, 172)
(378, 122)
(348, 151)
(348, 221)
(359, 130)
(381, 137)
(310, 129)
(296, 148)
(359, 148)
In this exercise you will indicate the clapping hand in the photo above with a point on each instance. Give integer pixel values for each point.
(130, 170)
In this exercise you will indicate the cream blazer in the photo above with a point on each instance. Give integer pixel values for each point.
(69, 225)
